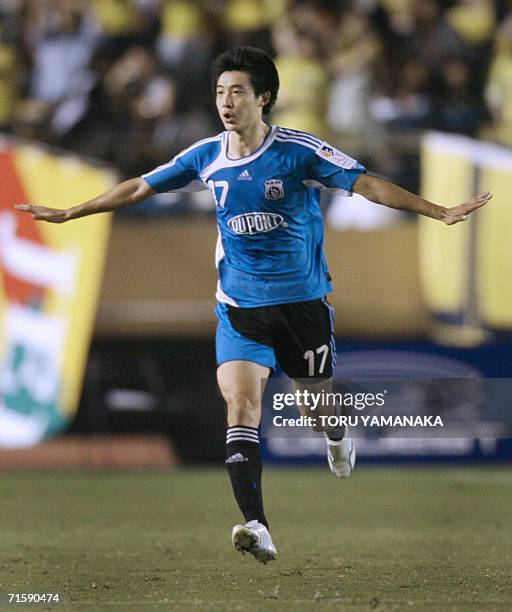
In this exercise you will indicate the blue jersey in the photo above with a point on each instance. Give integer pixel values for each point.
(270, 245)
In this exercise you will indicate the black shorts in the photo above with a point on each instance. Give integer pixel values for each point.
(300, 336)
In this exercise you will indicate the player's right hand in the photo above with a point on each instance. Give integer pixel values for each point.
(44, 213)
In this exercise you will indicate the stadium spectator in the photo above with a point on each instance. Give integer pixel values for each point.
(351, 66)
(407, 104)
(123, 23)
(185, 45)
(61, 40)
(458, 108)
(304, 80)
(249, 22)
(146, 123)
(432, 39)
(319, 17)
(473, 20)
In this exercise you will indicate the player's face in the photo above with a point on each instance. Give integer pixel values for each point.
(238, 106)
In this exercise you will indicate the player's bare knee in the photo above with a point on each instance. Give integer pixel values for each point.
(242, 409)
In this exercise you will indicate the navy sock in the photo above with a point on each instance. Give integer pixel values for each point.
(335, 433)
(244, 468)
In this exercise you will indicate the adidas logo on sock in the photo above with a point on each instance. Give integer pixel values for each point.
(244, 176)
(236, 458)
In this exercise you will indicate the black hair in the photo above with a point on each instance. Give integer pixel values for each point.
(258, 65)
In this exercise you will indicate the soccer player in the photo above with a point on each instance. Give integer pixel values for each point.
(273, 275)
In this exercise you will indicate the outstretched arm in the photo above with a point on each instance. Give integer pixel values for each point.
(126, 193)
(383, 192)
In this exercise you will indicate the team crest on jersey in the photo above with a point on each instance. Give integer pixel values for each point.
(274, 189)
(255, 223)
(335, 156)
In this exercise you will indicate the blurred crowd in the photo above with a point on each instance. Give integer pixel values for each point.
(127, 81)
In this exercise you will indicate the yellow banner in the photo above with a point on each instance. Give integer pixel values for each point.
(51, 277)
(447, 178)
(493, 246)
(466, 270)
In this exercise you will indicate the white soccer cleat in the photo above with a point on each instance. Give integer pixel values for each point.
(341, 455)
(253, 537)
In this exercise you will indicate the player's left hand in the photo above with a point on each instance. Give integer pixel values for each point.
(450, 216)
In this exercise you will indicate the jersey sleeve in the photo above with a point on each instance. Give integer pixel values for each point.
(180, 174)
(331, 169)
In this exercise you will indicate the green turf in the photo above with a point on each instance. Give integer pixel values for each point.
(386, 539)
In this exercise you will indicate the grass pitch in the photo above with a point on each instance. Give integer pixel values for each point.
(386, 539)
